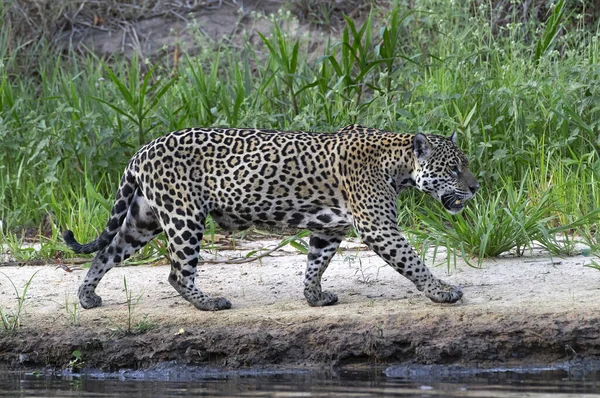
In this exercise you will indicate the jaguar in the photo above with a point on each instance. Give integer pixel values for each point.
(327, 183)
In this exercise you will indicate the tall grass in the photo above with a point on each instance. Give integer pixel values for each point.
(524, 98)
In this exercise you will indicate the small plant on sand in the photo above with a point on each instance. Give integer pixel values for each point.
(359, 270)
(132, 327)
(593, 264)
(11, 319)
(73, 312)
(143, 325)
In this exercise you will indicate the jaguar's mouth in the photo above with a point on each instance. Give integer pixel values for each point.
(453, 203)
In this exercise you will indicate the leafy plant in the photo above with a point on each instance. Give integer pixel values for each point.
(140, 97)
(286, 59)
(389, 48)
(551, 31)
(73, 312)
(11, 319)
(130, 325)
(488, 228)
(131, 304)
(77, 362)
(17, 249)
(356, 58)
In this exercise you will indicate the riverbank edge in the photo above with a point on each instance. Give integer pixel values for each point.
(466, 339)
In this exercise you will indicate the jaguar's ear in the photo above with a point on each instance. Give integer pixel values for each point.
(421, 147)
(453, 137)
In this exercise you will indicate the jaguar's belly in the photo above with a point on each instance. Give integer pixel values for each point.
(311, 218)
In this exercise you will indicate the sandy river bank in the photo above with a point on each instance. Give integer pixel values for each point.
(534, 309)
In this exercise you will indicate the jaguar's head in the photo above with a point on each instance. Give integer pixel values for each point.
(442, 171)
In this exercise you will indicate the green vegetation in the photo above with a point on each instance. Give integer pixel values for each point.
(77, 362)
(10, 319)
(129, 326)
(73, 311)
(523, 95)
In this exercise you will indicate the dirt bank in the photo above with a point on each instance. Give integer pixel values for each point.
(536, 309)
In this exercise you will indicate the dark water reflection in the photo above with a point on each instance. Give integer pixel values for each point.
(171, 380)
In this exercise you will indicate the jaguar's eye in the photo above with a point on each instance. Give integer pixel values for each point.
(455, 170)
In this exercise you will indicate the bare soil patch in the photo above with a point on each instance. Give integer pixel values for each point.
(534, 309)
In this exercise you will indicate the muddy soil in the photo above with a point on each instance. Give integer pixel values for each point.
(536, 309)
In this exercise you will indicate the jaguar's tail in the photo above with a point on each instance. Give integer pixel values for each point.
(123, 199)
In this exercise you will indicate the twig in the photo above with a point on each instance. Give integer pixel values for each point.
(246, 260)
(74, 261)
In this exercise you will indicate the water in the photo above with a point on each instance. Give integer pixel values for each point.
(172, 380)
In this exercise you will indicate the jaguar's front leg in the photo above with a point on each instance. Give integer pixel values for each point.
(400, 255)
(321, 249)
(378, 228)
(397, 252)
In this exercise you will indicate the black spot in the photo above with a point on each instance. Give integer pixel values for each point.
(192, 226)
(326, 218)
(179, 224)
(279, 215)
(318, 243)
(130, 178)
(136, 243)
(296, 218)
(127, 191)
(135, 209)
(263, 216)
(120, 207)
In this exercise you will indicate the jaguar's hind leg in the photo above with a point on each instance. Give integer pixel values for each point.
(321, 249)
(140, 226)
(185, 237)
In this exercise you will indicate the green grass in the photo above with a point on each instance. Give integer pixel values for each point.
(524, 98)
(11, 318)
(130, 325)
(73, 311)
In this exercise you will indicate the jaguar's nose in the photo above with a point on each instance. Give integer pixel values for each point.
(474, 187)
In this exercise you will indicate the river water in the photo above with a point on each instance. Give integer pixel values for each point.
(171, 380)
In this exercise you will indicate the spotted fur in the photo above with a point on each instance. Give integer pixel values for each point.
(327, 183)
